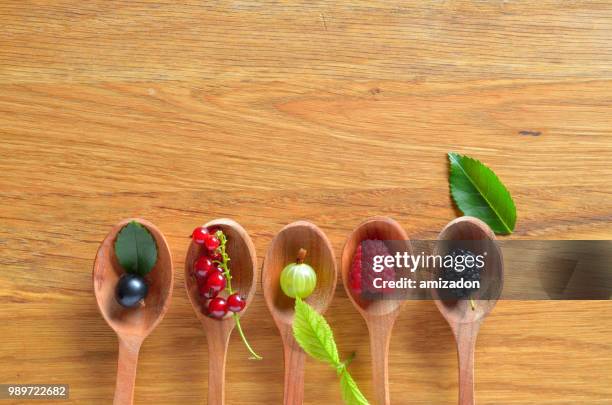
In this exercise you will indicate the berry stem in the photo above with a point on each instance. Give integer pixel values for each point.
(254, 356)
(301, 256)
(223, 263)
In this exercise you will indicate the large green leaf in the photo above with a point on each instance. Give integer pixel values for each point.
(314, 334)
(136, 249)
(478, 192)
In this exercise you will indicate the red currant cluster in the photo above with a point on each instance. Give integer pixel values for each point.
(210, 271)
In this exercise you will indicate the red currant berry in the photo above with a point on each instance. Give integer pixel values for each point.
(202, 267)
(214, 284)
(215, 256)
(213, 229)
(204, 263)
(217, 308)
(235, 303)
(216, 267)
(206, 294)
(211, 242)
(199, 235)
(200, 276)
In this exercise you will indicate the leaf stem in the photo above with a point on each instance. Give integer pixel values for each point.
(350, 359)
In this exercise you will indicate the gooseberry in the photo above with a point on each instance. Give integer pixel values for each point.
(298, 279)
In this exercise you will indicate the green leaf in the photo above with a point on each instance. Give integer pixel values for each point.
(350, 392)
(136, 249)
(314, 334)
(478, 192)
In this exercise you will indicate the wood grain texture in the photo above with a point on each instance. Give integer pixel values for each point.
(270, 112)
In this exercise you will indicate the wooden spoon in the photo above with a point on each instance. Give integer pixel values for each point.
(131, 325)
(379, 315)
(282, 251)
(243, 268)
(464, 320)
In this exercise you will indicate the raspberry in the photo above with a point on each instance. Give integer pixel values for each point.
(362, 275)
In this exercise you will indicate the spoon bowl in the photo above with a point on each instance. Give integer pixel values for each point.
(378, 228)
(283, 250)
(379, 315)
(243, 269)
(464, 319)
(470, 231)
(132, 325)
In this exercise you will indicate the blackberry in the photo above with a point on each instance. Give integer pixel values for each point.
(469, 273)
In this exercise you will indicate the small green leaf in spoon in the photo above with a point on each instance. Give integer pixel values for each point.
(136, 249)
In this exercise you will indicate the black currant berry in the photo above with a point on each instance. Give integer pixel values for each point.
(131, 289)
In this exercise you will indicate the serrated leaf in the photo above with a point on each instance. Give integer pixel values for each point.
(350, 392)
(313, 334)
(136, 249)
(478, 192)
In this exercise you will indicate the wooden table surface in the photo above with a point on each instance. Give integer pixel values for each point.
(269, 112)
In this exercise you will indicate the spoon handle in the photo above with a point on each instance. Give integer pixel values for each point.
(380, 337)
(294, 370)
(126, 371)
(465, 335)
(218, 341)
